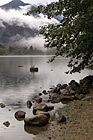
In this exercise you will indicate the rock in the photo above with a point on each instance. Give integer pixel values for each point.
(55, 98)
(44, 113)
(78, 97)
(2, 105)
(47, 100)
(44, 92)
(33, 69)
(74, 85)
(61, 119)
(20, 114)
(50, 108)
(37, 120)
(40, 94)
(40, 107)
(71, 90)
(38, 99)
(59, 85)
(67, 98)
(29, 104)
(88, 98)
(87, 82)
(63, 86)
(55, 90)
(7, 123)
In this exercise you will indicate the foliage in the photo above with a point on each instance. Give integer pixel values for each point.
(73, 35)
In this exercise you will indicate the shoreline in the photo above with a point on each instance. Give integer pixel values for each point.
(79, 124)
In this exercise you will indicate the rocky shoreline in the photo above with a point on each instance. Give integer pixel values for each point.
(73, 91)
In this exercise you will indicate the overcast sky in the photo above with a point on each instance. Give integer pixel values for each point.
(29, 1)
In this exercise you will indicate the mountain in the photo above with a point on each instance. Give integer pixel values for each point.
(11, 34)
(14, 4)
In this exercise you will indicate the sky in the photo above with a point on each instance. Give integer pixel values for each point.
(29, 1)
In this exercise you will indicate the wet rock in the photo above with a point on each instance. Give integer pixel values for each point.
(7, 123)
(67, 98)
(87, 82)
(47, 100)
(37, 120)
(55, 90)
(40, 94)
(34, 69)
(42, 112)
(29, 104)
(40, 107)
(2, 105)
(45, 92)
(20, 114)
(38, 99)
(55, 98)
(74, 85)
(61, 119)
(50, 108)
(63, 86)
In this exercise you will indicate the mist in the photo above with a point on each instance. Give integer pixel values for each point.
(18, 18)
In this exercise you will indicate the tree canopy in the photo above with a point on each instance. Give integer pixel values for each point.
(73, 35)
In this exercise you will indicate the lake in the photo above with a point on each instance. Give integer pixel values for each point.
(18, 84)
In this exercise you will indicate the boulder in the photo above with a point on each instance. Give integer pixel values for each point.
(87, 82)
(37, 120)
(50, 107)
(45, 92)
(42, 112)
(74, 85)
(40, 107)
(40, 94)
(29, 104)
(34, 69)
(63, 86)
(20, 114)
(61, 119)
(67, 98)
(7, 123)
(55, 90)
(2, 105)
(38, 99)
(55, 98)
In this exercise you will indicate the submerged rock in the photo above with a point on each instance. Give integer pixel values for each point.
(20, 114)
(34, 69)
(2, 105)
(7, 123)
(37, 120)
(29, 104)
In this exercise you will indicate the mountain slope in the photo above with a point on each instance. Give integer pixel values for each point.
(14, 4)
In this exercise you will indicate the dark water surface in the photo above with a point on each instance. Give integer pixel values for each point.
(18, 84)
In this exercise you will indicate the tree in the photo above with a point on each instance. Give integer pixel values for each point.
(73, 35)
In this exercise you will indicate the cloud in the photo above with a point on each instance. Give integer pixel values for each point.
(16, 17)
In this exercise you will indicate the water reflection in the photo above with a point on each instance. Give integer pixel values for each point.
(19, 84)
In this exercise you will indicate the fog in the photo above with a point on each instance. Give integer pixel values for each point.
(18, 18)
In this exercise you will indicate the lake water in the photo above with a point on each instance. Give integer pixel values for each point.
(18, 84)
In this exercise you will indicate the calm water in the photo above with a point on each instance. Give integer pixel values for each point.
(19, 84)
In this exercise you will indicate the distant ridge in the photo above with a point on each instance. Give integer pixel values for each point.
(14, 4)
